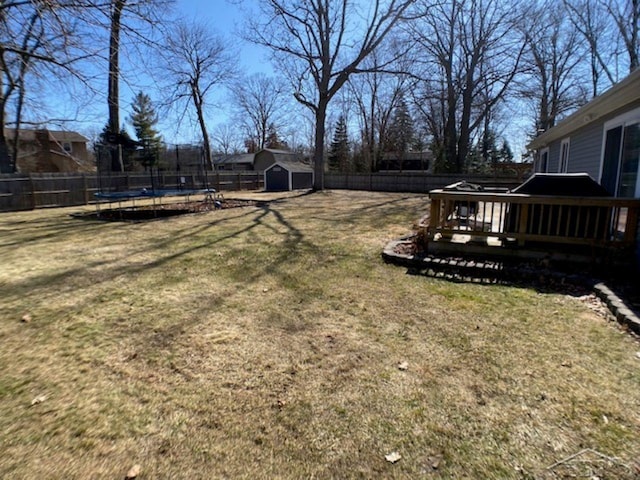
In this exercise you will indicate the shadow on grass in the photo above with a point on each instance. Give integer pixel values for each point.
(201, 236)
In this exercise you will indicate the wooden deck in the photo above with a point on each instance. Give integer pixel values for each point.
(521, 225)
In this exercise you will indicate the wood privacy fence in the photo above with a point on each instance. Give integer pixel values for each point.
(30, 191)
(413, 182)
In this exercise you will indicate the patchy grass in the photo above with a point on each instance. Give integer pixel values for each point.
(265, 342)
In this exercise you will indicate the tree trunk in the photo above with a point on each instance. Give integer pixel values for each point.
(113, 95)
(198, 102)
(6, 165)
(318, 155)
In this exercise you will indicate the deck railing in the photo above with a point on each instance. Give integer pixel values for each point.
(520, 218)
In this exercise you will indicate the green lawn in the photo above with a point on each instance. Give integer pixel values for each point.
(265, 343)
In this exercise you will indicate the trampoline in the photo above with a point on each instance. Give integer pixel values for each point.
(210, 196)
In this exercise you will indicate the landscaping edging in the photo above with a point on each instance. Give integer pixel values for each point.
(463, 270)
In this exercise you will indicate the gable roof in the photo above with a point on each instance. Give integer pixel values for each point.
(621, 94)
(29, 135)
(293, 167)
(278, 151)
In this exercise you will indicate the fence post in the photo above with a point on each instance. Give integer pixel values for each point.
(86, 188)
(33, 192)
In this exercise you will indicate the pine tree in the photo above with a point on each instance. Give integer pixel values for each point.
(121, 141)
(400, 135)
(144, 118)
(273, 139)
(339, 153)
(506, 155)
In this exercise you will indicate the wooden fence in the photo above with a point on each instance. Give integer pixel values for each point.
(27, 192)
(30, 191)
(411, 182)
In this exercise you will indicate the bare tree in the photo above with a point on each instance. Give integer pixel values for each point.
(141, 11)
(626, 16)
(36, 36)
(375, 95)
(471, 56)
(259, 101)
(589, 19)
(195, 61)
(226, 139)
(321, 43)
(553, 60)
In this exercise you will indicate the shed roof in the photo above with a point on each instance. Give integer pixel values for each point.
(621, 94)
(293, 167)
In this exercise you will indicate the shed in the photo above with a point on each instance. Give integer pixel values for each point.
(282, 176)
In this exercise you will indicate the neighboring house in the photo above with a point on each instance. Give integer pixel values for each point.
(602, 138)
(413, 161)
(51, 151)
(234, 162)
(258, 162)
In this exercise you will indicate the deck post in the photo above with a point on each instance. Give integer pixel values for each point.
(631, 225)
(434, 216)
(522, 224)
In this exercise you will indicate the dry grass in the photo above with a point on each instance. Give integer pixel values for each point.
(265, 342)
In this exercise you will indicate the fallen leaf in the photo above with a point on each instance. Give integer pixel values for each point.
(435, 462)
(403, 365)
(392, 457)
(133, 472)
(38, 399)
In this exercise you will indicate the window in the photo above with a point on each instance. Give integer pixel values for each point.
(563, 164)
(543, 161)
(621, 155)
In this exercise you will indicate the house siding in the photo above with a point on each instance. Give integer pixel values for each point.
(585, 148)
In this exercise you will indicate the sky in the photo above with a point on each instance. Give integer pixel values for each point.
(225, 17)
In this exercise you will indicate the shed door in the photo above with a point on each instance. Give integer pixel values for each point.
(277, 179)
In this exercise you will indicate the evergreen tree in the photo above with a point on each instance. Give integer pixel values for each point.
(339, 153)
(109, 142)
(506, 155)
(144, 118)
(273, 139)
(400, 135)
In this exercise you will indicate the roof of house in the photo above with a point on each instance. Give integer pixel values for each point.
(235, 158)
(293, 167)
(425, 154)
(29, 135)
(278, 151)
(621, 94)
